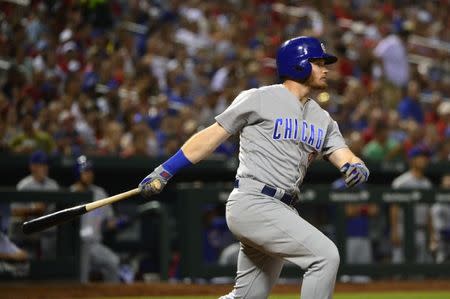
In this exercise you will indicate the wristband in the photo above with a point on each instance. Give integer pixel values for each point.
(176, 162)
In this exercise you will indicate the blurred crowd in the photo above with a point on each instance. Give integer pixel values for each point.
(139, 77)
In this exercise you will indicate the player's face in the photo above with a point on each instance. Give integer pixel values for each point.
(318, 78)
(39, 171)
(420, 162)
(87, 177)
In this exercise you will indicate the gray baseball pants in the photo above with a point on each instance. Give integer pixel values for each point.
(95, 255)
(270, 233)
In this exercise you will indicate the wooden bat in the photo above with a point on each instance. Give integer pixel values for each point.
(59, 217)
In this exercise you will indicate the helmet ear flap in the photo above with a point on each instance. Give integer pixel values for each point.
(303, 69)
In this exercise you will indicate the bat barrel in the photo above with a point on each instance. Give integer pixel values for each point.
(50, 220)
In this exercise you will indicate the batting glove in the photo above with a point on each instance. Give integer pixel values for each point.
(154, 183)
(355, 174)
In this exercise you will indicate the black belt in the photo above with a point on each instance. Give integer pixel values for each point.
(270, 191)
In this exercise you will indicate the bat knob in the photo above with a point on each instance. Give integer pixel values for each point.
(156, 185)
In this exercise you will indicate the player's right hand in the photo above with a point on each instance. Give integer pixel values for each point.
(355, 174)
(154, 183)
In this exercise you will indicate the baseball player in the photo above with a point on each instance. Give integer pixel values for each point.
(38, 180)
(94, 254)
(281, 131)
(440, 221)
(414, 178)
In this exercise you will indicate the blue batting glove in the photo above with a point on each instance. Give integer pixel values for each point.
(355, 174)
(154, 183)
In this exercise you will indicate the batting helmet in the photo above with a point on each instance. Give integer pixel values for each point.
(294, 55)
(83, 164)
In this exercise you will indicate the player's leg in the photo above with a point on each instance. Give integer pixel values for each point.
(85, 262)
(106, 261)
(257, 272)
(313, 252)
(277, 229)
(362, 255)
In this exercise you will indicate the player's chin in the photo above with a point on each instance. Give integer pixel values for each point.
(320, 85)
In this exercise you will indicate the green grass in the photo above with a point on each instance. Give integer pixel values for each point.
(394, 295)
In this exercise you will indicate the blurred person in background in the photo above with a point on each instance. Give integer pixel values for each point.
(110, 144)
(82, 57)
(382, 147)
(374, 115)
(358, 242)
(95, 256)
(396, 131)
(432, 139)
(440, 220)
(140, 140)
(414, 178)
(31, 139)
(415, 134)
(410, 107)
(391, 50)
(42, 244)
(68, 140)
(9, 251)
(443, 124)
(443, 152)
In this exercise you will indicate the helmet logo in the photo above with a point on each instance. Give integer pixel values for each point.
(323, 47)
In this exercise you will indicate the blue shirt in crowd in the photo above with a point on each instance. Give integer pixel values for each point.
(409, 108)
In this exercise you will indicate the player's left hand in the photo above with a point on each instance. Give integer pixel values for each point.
(355, 173)
(154, 182)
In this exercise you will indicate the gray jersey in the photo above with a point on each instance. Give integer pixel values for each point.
(30, 184)
(408, 181)
(421, 215)
(91, 223)
(279, 136)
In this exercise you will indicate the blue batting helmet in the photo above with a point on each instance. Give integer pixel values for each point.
(39, 157)
(294, 55)
(83, 164)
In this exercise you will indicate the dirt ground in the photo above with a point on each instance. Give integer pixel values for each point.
(71, 290)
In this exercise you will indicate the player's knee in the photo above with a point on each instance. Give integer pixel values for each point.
(332, 257)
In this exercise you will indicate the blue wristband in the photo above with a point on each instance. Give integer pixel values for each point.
(176, 162)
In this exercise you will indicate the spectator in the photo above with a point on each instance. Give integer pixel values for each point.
(414, 135)
(140, 141)
(382, 147)
(31, 139)
(414, 178)
(409, 107)
(391, 50)
(99, 74)
(443, 124)
(443, 152)
(111, 143)
(68, 140)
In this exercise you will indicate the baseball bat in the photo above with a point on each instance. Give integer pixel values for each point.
(59, 217)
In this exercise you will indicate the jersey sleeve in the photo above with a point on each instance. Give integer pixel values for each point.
(333, 139)
(243, 110)
(381, 49)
